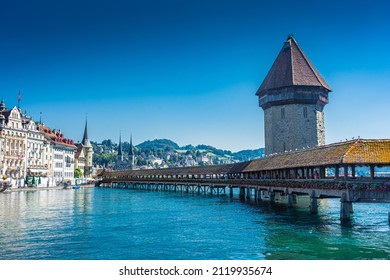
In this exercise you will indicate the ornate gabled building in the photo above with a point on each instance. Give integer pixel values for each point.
(84, 154)
(13, 143)
(293, 96)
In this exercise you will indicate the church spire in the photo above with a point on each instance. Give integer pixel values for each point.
(120, 154)
(131, 153)
(86, 142)
(131, 149)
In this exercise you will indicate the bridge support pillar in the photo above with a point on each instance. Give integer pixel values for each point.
(259, 194)
(313, 203)
(290, 200)
(242, 191)
(345, 208)
(272, 196)
(248, 192)
(388, 217)
(230, 191)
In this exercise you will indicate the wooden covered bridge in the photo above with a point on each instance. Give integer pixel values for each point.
(349, 170)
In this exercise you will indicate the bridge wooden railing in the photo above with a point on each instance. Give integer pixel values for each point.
(324, 184)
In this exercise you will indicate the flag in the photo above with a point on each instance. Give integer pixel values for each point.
(19, 98)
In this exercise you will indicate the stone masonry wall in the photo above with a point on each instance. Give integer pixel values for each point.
(299, 126)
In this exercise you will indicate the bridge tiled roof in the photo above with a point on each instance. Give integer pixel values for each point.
(358, 152)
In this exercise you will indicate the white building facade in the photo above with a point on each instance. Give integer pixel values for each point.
(13, 140)
(31, 154)
(63, 164)
(61, 156)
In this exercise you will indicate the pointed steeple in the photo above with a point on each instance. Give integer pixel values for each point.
(131, 149)
(131, 158)
(120, 154)
(86, 143)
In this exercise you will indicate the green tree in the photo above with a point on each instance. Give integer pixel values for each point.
(78, 173)
(107, 143)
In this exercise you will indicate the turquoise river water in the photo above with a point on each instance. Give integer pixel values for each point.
(96, 223)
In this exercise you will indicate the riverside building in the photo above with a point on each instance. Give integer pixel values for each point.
(32, 154)
(13, 142)
(62, 154)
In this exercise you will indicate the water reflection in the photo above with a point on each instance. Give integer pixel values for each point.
(294, 233)
(129, 224)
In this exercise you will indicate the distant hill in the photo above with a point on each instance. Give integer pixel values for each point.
(246, 155)
(163, 144)
(171, 153)
(166, 144)
(213, 150)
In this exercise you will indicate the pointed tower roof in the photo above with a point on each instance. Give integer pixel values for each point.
(120, 145)
(131, 150)
(86, 142)
(292, 68)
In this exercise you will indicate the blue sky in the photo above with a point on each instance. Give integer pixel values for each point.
(188, 70)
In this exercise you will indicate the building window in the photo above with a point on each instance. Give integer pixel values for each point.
(283, 114)
(305, 112)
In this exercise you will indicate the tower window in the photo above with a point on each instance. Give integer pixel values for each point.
(283, 114)
(305, 112)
